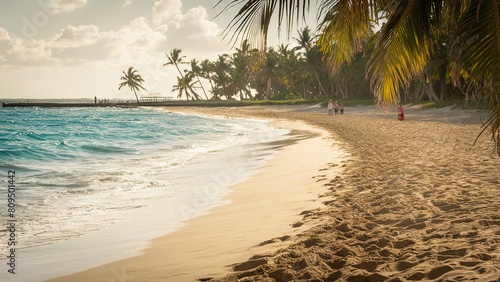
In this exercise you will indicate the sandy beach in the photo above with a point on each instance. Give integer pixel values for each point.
(412, 200)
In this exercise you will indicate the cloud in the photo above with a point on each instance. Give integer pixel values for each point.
(138, 42)
(59, 6)
(29, 50)
(4, 44)
(127, 3)
(4, 35)
(74, 36)
(195, 24)
(165, 9)
(193, 32)
(137, 37)
(80, 45)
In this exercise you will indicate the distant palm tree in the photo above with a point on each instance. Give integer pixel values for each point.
(174, 58)
(197, 72)
(270, 68)
(133, 80)
(207, 68)
(293, 69)
(245, 66)
(185, 85)
(311, 55)
(222, 77)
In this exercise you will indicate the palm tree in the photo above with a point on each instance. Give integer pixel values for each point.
(240, 75)
(197, 72)
(410, 31)
(270, 66)
(245, 66)
(222, 77)
(292, 70)
(185, 85)
(133, 80)
(311, 55)
(174, 58)
(206, 72)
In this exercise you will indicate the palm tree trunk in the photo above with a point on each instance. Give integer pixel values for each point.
(431, 94)
(442, 79)
(136, 97)
(177, 67)
(248, 94)
(268, 87)
(320, 85)
(202, 88)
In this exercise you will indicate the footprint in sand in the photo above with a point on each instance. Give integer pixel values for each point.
(438, 271)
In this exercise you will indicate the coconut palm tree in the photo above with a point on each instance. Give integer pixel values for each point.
(269, 70)
(185, 85)
(206, 72)
(245, 61)
(133, 80)
(409, 33)
(197, 72)
(222, 77)
(311, 55)
(174, 58)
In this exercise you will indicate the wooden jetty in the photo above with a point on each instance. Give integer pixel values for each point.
(168, 103)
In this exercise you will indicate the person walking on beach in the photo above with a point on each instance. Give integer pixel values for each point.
(341, 108)
(401, 113)
(95, 99)
(330, 107)
(336, 108)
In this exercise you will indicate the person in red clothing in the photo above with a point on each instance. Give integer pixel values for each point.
(401, 113)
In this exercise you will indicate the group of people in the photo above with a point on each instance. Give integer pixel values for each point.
(335, 108)
(339, 107)
(106, 100)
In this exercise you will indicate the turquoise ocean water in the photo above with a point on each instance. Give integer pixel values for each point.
(82, 170)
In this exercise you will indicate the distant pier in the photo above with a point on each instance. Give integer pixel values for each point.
(176, 103)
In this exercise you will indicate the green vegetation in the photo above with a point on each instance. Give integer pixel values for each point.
(438, 104)
(282, 73)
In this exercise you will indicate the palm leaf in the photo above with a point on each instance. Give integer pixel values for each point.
(345, 28)
(254, 17)
(477, 52)
(403, 49)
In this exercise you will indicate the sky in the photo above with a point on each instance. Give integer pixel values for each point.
(79, 48)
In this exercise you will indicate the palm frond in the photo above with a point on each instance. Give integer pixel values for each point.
(345, 28)
(403, 49)
(254, 17)
(477, 52)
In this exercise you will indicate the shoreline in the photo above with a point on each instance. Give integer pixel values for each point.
(256, 220)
